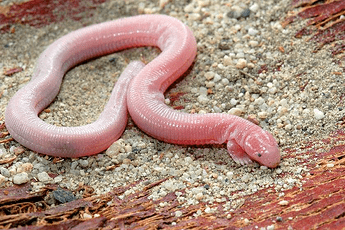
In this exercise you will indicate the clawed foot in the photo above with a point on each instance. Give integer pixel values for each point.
(238, 154)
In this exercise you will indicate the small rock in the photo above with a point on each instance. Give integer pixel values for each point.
(5, 172)
(270, 227)
(241, 63)
(283, 202)
(2, 179)
(203, 99)
(43, 177)
(188, 8)
(87, 216)
(234, 14)
(235, 111)
(209, 75)
(84, 163)
(254, 7)
(115, 148)
(178, 213)
(26, 167)
(162, 3)
(128, 148)
(21, 178)
(18, 150)
(217, 78)
(246, 221)
(63, 196)
(262, 115)
(245, 13)
(318, 114)
(194, 16)
(252, 31)
(253, 43)
(58, 179)
(199, 196)
(203, 3)
(227, 60)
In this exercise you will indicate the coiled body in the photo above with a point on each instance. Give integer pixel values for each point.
(140, 90)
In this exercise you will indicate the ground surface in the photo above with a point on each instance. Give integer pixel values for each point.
(284, 86)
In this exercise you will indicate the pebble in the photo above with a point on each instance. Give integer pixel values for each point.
(253, 43)
(43, 177)
(283, 203)
(227, 61)
(115, 148)
(203, 99)
(235, 111)
(262, 115)
(5, 172)
(254, 7)
(318, 114)
(241, 63)
(2, 179)
(178, 213)
(199, 196)
(87, 216)
(209, 75)
(252, 31)
(217, 78)
(84, 163)
(270, 227)
(20, 178)
(26, 167)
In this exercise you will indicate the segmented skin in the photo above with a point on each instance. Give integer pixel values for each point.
(139, 90)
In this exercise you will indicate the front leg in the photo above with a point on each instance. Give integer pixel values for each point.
(237, 153)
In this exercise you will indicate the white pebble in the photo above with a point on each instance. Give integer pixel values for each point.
(235, 111)
(225, 81)
(252, 31)
(194, 16)
(43, 177)
(209, 84)
(203, 3)
(272, 90)
(87, 216)
(203, 91)
(318, 114)
(233, 101)
(262, 115)
(227, 60)
(283, 203)
(178, 213)
(58, 179)
(21, 178)
(270, 227)
(330, 165)
(217, 78)
(203, 99)
(188, 8)
(199, 196)
(253, 43)
(254, 7)
(209, 75)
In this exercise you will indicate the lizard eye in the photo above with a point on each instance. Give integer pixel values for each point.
(259, 155)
